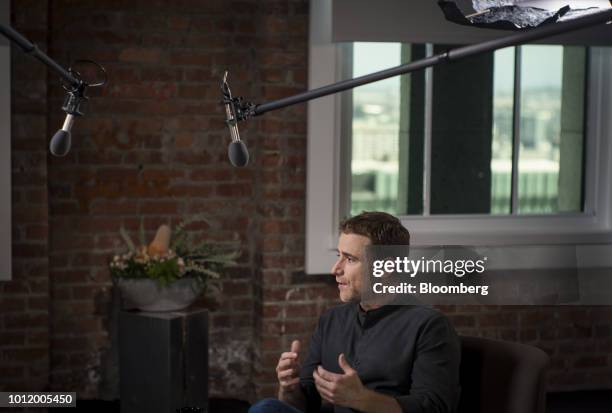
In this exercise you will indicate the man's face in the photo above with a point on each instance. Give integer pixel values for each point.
(349, 267)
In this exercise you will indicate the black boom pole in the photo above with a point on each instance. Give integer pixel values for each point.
(248, 110)
(33, 50)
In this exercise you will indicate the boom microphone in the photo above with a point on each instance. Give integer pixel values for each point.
(60, 143)
(75, 104)
(237, 151)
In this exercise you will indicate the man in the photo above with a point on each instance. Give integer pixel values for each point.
(370, 358)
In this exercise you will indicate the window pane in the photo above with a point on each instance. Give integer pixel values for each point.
(551, 135)
(501, 149)
(375, 130)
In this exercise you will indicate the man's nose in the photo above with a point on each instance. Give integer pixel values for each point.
(337, 268)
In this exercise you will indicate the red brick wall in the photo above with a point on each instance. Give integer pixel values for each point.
(153, 147)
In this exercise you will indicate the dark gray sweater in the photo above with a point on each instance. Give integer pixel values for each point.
(411, 353)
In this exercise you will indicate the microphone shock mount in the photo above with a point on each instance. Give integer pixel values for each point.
(75, 102)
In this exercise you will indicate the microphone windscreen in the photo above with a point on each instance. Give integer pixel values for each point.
(238, 153)
(60, 143)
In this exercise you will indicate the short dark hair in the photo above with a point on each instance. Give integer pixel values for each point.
(381, 228)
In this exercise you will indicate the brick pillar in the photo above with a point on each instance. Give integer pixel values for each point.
(288, 302)
(24, 300)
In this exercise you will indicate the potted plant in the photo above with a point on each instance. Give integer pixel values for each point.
(169, 273)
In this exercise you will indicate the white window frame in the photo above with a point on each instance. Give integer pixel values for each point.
(5, 149)
(326, 161)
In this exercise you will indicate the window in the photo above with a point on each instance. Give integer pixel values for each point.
(475, 123)
(454, 189)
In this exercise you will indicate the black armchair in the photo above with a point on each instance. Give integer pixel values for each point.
(501, 377)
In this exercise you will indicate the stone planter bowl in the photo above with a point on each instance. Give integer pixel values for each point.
(148, 295)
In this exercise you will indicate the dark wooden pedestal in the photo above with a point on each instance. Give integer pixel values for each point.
(163, 361)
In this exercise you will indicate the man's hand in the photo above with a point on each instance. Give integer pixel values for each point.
(348, 390)
(288, 369)
(341, 389)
